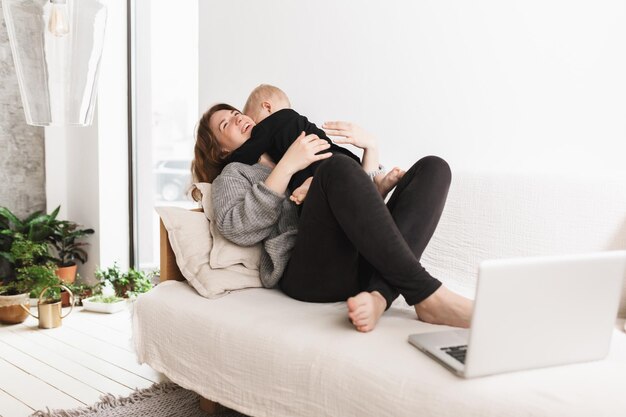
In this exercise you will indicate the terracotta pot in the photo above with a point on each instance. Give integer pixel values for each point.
(86, 294)
(67, 274)
(11, 310)
(65, 299)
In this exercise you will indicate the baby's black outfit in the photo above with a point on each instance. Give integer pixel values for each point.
(275, 134)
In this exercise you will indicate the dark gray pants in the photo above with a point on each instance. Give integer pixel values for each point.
(349, 241)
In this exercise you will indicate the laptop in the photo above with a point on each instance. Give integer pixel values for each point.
(534, 313)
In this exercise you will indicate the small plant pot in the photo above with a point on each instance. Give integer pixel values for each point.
(122, 290)
(100, 307)
(67, 274)
(82, 296)
(65, 299)
(14, 308)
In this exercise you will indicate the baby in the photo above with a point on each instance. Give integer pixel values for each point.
(277, 126)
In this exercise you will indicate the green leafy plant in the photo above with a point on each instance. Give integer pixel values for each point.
(33, 270)
(126, 284)
(139, 282)
(80, 290)
(5, 232)
(65, 239)
(25, 252)
(109, 275)
(37, 227)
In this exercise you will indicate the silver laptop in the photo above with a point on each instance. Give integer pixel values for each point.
(532, 313)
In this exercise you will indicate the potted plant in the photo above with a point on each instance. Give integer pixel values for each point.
(13, 304)
(32, 273)
(65, 238)
(115, 286)
(80, 291)
(137, 282)
(37, 227)
(126, 284)
(14, 300)
(104, 303)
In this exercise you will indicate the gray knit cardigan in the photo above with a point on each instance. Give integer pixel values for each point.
(247, 212)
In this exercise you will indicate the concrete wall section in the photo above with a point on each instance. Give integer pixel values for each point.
(22, 168)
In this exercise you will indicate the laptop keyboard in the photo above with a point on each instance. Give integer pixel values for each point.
(457, 352)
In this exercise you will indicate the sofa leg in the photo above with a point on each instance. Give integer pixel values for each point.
(208, 406)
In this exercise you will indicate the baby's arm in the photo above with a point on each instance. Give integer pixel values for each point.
(299, 194)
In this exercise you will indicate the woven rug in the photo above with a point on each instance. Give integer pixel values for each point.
(160, 400)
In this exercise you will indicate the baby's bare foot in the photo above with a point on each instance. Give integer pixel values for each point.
(299, 194)
(364, 310)
(387, 182)
(446, 307)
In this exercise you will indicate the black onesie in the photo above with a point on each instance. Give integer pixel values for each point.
(275, 134)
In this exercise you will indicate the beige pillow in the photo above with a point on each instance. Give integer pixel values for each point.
(191, 241)
(225, 253)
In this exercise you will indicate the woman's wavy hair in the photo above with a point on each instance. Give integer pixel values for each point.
(209, 160)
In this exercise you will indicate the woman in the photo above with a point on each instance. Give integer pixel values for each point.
(345, 244)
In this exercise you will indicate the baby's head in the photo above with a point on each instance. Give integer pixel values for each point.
(265, 100)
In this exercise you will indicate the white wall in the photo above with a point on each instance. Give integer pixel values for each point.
(487, 84)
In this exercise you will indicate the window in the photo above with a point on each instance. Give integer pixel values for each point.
(165, 113)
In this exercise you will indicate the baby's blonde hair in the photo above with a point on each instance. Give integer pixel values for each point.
(262, 93)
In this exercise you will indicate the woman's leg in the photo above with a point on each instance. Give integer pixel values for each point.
(344, 216)
(416, 206)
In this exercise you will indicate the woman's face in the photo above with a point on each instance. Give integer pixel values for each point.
(231, 128)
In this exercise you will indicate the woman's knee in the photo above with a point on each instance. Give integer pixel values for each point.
(435, 165)
(338, 165)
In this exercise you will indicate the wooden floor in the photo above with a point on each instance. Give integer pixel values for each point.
(71, 366)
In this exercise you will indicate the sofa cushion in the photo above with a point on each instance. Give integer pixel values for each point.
(191, 241)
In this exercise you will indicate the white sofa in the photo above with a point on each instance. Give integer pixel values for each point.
(263, 354)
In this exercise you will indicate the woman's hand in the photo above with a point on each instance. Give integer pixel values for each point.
(300, 155)
(303, 152)
(355, 135)
(351, 134)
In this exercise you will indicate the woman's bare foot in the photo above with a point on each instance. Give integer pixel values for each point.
(387, 182)
(364, 310)
(445, 307)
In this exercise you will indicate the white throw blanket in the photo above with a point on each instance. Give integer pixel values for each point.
(263, 354)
